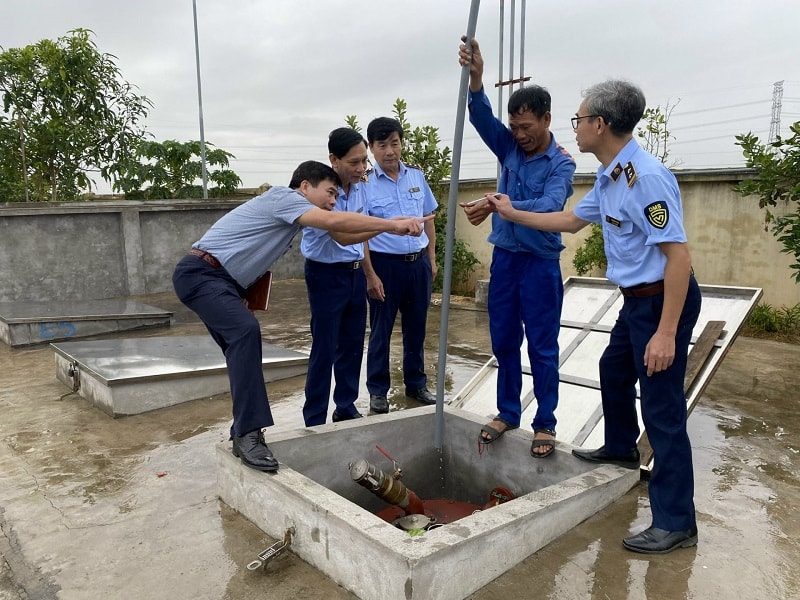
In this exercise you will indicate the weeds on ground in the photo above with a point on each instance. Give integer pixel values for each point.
(778, 324)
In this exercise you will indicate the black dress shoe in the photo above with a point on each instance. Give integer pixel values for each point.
(423, 395)
(378, 404)
(336, 417)
(629, 460)
(254, 452)
(660, 541)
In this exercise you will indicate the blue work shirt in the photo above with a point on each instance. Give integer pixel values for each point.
(251, 237)
(637, 201)
(409, 196)
(541, 183)
(318, 245)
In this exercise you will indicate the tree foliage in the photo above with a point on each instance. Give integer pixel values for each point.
(655, 137)
(654, 133)
(421, 149)
(67, 112)
(171, 169)
(776, 180)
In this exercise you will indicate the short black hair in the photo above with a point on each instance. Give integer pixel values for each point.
(619, 102)
(341, 140)
(532, 98)
(314, 172)
(381, 128)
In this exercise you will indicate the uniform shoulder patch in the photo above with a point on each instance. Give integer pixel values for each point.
(616, 172)
(630, 173)
(657, 214)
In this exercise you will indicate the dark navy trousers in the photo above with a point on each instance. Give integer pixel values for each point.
(525, 297)
(663, 404)
(337, 296)
(217, 299)
(407, 286)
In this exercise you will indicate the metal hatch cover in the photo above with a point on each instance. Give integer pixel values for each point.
(591, 306)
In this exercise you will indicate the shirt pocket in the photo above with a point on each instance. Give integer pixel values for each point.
(413, 204)
(534, 188)
(382, 207)
(618, 240)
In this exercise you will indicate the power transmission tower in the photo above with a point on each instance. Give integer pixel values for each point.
(775, 123)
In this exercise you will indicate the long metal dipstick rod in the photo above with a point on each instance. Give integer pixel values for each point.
(450, 230)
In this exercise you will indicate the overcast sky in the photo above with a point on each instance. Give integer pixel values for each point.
(278, 75)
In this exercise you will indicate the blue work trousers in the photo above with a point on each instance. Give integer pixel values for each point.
(525, 297)
(663, 404)
(217, 299)
(407, 286)
(337, 295)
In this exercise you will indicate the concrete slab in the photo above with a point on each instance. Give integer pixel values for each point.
(132, 376)
(336, 530)
(28, 323)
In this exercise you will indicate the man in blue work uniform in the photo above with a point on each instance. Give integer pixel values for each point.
(337, 291)
(637, 201)
(235, 252)
(525, 286)
(399, 271)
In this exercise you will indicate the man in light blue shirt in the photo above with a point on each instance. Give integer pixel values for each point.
(337, 291)
(637, 202)
(399, 271)
(212, 280)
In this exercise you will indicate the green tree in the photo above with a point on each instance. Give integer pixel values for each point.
(655, 137)
(171, 169)
(68, 113)
(421, 149)
(776, 179)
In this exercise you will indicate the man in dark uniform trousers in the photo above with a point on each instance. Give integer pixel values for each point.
(637, 201)
(399, 272)
(213, 278)
(337, 291)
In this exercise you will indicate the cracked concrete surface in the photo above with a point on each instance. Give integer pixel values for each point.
(94, 507)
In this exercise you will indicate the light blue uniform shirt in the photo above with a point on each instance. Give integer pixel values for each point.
(318, 245)
(409, 196)
(251, 237)
(638, 203)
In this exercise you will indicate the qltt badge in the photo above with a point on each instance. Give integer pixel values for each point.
(657, 214)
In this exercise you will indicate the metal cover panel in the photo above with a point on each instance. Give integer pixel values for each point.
(591, 306)
(116, 361)
(77, 310)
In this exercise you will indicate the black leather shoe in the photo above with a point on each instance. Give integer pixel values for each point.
(629, 460)
(423, 395)
(336, 417)
(378, 404)
(254, 452)
(660, 541)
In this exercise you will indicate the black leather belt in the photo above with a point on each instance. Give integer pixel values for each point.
(350, 266)
(209, 258)
(403, 257)
(644, 290)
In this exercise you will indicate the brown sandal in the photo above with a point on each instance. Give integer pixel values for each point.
(543, 442)
(494, 434)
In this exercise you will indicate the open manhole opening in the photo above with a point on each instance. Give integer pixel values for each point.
(359, 460)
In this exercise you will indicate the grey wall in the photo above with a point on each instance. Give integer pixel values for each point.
(93, 250)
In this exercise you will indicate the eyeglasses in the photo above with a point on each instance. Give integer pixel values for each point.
(576, 120)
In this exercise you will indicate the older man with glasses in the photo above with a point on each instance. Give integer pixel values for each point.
(637, 201)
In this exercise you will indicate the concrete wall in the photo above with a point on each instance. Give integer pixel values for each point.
(110, 249)
(726, 235)
(86, 251)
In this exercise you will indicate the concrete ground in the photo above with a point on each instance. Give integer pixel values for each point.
(93, 507)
